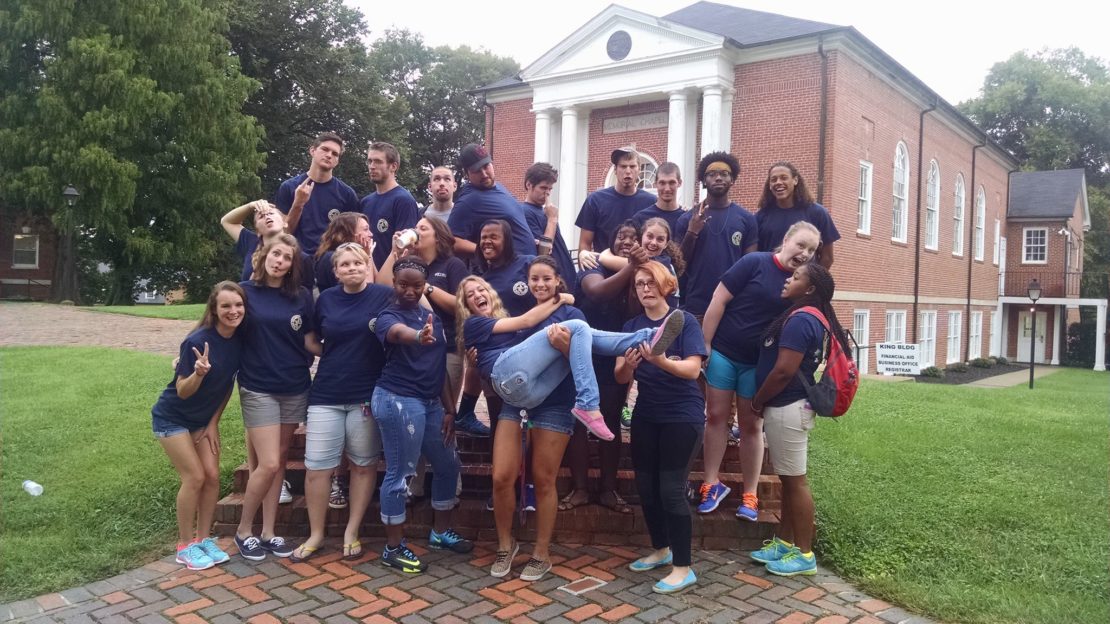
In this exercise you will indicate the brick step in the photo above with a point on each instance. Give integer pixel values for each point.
(477, 484)
(589, 524)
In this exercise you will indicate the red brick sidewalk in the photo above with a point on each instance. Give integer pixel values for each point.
(456, 588)
(39, 324)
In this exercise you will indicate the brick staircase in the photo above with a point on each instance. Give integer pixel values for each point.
(587, 524)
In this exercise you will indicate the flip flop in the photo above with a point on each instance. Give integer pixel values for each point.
(567, 503)
(307, 552)
(352, 551)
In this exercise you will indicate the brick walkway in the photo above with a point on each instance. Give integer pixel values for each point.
(37, 324)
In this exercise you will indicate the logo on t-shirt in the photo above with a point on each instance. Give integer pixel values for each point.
(520, 289)
(332, 214)
(295, 322)
(383, 225)
(374, 324)
(737, 237)
(769, 341)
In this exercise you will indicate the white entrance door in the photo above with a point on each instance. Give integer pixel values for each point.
(1023, 336)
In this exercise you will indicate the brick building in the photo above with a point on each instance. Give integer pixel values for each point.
(918, 192)
(27, 252)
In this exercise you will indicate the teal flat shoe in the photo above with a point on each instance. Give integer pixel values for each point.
(640, 565)
(666, 588)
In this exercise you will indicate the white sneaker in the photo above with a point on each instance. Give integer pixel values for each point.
(286, 496)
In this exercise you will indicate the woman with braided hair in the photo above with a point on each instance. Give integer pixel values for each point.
(793, 346)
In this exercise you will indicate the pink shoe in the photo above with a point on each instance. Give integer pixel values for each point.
(594, 422)
(668, 330)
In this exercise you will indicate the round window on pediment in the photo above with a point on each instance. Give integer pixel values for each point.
(619, 45)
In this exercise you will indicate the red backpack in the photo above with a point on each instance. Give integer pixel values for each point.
(832, 396)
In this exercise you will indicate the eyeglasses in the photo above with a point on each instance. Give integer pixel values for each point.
(641, 284)
(724, 175)
(348, 246)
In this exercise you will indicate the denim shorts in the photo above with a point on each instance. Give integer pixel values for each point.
(331, 429)
(261, 409)
(164, 429)
(556, 419)
(725, 374)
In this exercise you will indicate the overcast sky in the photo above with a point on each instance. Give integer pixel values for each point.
(951, 45)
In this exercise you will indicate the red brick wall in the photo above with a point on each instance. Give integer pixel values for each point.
(652, 142)
(12, 223)
(514, 142)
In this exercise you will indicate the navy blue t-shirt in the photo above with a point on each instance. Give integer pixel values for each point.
(478, 333)
(563, 396)
(247, 244)
(537, 221)
(475, 206)
(774, 222)
(607, 315)
(802, 333)
(325, 272)
(274, 358)
(510, 282)
(664, 398)
(328, 199)
(387, 213)
(446, 274)
(353, 356)
(605, 210)
(756, 282)
(653, 212)
(412, 370)
(726, 233)
(197, 411)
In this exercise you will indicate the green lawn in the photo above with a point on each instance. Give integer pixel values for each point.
(969, 504)
(183, 312)
(77, 420)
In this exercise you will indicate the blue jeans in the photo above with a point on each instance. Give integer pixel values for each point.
(526, 374)
(411, 426)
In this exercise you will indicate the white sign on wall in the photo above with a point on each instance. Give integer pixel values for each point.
(897, 359)
(634, 122)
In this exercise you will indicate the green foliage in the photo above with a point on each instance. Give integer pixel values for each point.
(923, 498)
(1079, 349)
(957, 367)
(932, 371)
(1001, 361)
(77, 420)
(982, 362)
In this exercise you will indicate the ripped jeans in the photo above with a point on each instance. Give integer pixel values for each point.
(411, 426)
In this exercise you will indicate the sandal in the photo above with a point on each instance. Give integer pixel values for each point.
(305, 551)
(612, 500)
(567, 502)
(352, 551)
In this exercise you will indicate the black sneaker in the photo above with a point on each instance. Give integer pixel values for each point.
(276, 546)
(250, 548)
(403, 559)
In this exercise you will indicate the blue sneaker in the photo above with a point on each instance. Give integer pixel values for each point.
(449, 540)
(711, 495)
(250, 548)
(403, 559)
(214, 552)
(468, 424)
(773, 550)
(194, 558)
(749, 508)
(665, 588)
(529, 503)
(794, 563)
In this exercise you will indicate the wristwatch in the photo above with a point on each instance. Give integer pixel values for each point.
(428, 288)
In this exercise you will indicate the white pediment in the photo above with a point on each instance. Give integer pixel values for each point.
(588, 48)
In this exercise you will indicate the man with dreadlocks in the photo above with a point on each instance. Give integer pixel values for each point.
(792, 343)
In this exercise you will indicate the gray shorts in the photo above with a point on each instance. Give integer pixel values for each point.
(335, 429)
(261, 409)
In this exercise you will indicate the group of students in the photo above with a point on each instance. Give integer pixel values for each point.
(402, 326)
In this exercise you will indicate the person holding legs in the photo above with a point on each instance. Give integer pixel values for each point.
(186, 419)
(667, 427)
(744, 303)
(794, 343)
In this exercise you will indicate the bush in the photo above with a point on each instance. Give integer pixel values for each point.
(932, 371)
(982, 363)
(1001, 361)
(957, 367)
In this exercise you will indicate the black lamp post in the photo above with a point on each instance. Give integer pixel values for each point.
(1034, 292)
(71, 195)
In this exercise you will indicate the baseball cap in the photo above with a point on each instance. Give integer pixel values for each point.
(473, 157)
(621, 153)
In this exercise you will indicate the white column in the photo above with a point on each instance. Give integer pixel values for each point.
(1056, 335)
(569, 202)
(676, 129)
(997, 339)
(710, 120)
(1100, 338)
(726, 120)
(543, 137)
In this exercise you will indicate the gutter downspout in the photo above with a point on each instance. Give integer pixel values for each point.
(971, 250)
(822, 132)
(917, 235)
(489, 133)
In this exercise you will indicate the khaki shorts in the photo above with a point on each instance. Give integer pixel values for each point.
(787, 430)
(261, 409)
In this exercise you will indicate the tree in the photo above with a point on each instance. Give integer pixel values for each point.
(1052, 110)
(138, 104)
(315, 76)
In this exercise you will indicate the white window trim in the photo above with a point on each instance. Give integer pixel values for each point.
(862, 338)
(863, 210)
(38, 248)
(997, 242)
(979, 241)
(900, 217)
(901, 338)
(927, 319)
(975, 336)
(959, 212)
(932, 207)
(955, 322)
(1025, 245)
